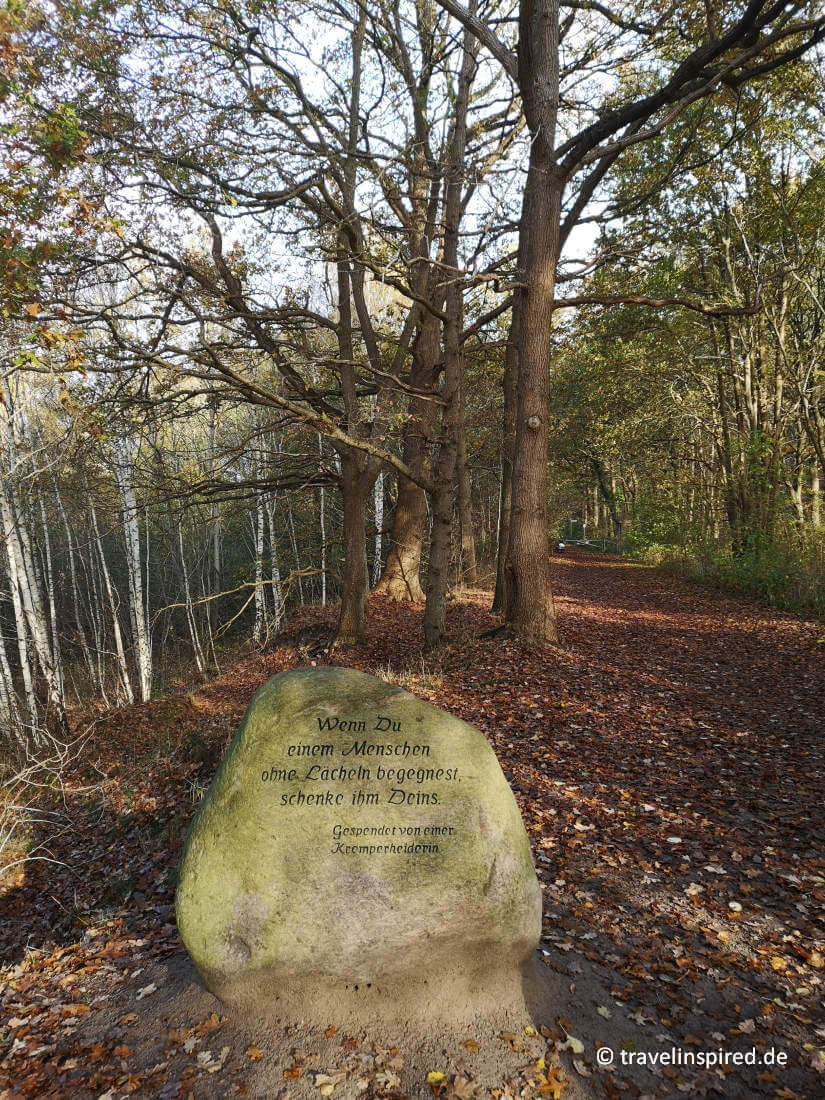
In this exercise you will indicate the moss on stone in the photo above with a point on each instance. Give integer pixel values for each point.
(266, 886)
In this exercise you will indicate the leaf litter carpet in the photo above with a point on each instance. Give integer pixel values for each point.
(668, 762)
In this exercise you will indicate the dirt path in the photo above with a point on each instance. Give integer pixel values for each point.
(669, 765)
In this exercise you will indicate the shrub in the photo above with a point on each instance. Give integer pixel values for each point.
(788, 577)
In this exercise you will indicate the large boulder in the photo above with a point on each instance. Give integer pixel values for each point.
(355, 838)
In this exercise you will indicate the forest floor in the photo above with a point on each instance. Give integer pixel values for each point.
(668, 762)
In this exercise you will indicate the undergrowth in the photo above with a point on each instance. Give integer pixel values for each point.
(790, 578)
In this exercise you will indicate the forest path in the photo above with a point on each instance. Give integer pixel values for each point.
(668, 761)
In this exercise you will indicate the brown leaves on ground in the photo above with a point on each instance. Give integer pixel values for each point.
(668, 762)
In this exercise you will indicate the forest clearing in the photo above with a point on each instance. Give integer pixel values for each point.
(668, 763)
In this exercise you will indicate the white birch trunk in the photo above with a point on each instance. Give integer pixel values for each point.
(56, 654)
(146, 585)
(9, 714)
(378, 491)
(21, 566)
(816, 509)
(323, 523)
(124, 464)
(295, 554)
(123, 668)
(22, 638)
(258, 533)
(81, 633)
(94, 600)
(214, 515)
(277, 595)
(190, 615)
(30, 623)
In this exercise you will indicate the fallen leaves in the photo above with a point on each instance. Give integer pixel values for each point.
(457, 1087)
(671, 715)
(574, 1045)
(213, 1063)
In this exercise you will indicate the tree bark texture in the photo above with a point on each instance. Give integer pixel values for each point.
(354, 584)
(469, 569)
(435, 611)
(508, 448)
(401, 579)
(530, 610)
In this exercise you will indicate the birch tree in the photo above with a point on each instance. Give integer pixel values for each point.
(30, 615)
(125, 455)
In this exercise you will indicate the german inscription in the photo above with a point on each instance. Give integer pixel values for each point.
(354, 834)
(359, 769)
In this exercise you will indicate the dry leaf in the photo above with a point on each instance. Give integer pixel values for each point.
(574, 1045)
(437, 1081)
(556, 1084)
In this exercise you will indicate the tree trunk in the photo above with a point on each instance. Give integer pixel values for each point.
(469, 569)
(214, 523)
(797, 497)
(23, 650)
(530, 611)
(378, 501)
(48, 572)
(94, 603)
(816, 514)
(200, 662)
(9, 714)
(123, 467)
(435, 612)
(70, 543)
(608, 496)
(354, 584)
(26, 591)
(123, 669)
(508, 448)
(295, 553)
(322, 520)
(401, 579)
(258, 536)
(277, 598)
